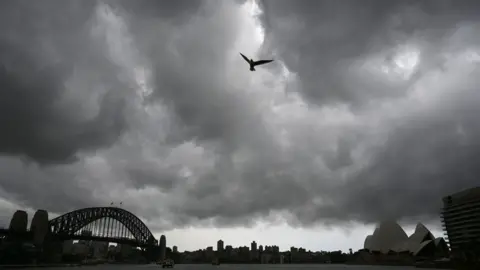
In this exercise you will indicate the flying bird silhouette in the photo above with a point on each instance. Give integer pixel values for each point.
(254, 63)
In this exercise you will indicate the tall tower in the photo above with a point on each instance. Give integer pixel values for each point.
(253, 251)
(19, 221)
(219, 249)
(163, 247)
(253, 246)
(39, 227)
(220, 246)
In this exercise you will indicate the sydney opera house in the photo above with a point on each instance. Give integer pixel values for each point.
(390, 242)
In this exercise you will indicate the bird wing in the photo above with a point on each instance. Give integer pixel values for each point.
(244, 57)
(261, 62)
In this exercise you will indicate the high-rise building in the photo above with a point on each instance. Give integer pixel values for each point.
(220, 246)
(260, 248)
(163, 247)
(460, 218)
(175, 249)
(253, 251)
(253, 246)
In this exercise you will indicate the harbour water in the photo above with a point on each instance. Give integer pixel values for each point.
(243, 267)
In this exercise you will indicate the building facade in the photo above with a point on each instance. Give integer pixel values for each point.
(163, 248)
(461, 220)
(220, 246)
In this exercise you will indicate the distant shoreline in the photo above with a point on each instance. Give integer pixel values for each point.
(11, 266)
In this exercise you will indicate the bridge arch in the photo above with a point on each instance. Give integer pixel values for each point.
(70, 223)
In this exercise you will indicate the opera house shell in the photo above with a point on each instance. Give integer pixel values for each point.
(389, 237)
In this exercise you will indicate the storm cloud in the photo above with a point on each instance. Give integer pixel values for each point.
(368, 112)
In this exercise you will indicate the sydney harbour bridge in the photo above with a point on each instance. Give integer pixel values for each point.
(102, 224)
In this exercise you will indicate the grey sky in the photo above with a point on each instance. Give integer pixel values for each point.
(150, 103)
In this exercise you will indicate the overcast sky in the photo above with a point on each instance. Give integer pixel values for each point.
(367, 114)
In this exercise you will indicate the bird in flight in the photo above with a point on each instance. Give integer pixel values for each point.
(254, 63)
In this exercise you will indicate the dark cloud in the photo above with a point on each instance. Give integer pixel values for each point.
(176, 11)
(350, 135)
(321, 40)
(57, 190)
(432, 154)
(425, 156)
(143, 176)
(42, 115)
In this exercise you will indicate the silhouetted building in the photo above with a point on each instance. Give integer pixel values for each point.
(19, 221)
(253, 251)
(460, 218)
(253, 246)
(163, 247)
(390, 238)
(220, 246)
(175, 249)
(265, 258)
(260, 248)
(39, 227)
(210, 253)
(228, 250)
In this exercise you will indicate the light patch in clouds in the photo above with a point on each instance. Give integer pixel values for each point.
(407, 60)
(113, 30)
(403, 63)
(254, 11)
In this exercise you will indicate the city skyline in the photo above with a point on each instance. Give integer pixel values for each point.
(330, 239)
(362, 117)
(86, 233)
(321, 240)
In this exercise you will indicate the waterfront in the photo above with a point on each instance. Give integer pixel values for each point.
(245, 266)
